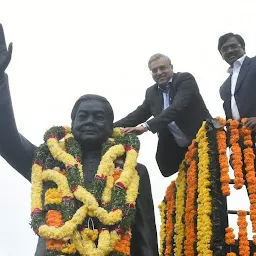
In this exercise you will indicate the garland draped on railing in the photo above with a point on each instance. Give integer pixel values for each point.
(194, 217)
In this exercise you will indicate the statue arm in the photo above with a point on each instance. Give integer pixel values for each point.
(144, 236)
(14, 147)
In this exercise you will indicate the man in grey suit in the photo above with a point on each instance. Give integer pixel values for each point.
(178, 111)
(238, 92)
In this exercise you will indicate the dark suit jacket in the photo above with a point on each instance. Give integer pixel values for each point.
(19, 152)
(245, 91)
(187, 109)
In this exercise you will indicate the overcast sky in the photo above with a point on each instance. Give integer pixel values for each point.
(64, 49)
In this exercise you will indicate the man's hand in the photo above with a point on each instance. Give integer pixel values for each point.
(138, 130)
(251, 123)
(5, 55)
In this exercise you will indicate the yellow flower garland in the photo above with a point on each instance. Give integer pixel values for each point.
(204, 224)
(162, 207)
(180, 210)
(84, 242)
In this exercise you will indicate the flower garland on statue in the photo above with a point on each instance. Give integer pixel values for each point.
(204, 223)
(112, 197)
(223, 159)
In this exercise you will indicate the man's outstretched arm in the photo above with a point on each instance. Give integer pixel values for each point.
(141, 114)
(14, 148)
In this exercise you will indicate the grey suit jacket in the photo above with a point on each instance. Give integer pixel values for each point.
(187, 109)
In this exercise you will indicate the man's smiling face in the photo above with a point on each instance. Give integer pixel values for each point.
(161, 71)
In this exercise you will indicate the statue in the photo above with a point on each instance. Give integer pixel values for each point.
(80, 188)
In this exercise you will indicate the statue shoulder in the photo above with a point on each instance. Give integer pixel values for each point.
(142, 171)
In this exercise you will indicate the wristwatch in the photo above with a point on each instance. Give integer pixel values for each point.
(145, 125)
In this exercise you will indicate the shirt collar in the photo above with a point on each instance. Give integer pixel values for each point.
(238, 61)
(167, 86)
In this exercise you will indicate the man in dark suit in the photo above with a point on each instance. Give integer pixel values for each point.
(178, 109)
(238, 92)
(92, 123)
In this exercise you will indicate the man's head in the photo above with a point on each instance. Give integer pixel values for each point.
(231, 47)
(92, 121)
(161, 68)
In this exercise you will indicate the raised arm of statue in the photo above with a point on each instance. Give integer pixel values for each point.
(5, 55)
(14, 148)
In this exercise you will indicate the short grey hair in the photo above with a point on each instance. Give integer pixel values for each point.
(158, 56)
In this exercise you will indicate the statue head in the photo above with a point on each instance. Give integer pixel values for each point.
(92, 121)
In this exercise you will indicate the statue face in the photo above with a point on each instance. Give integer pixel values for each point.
(92, 125)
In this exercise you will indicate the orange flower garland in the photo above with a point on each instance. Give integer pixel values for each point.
(52, 244)
(223, 159)
(244, 248)
(170, 197)
(231, 254)
(236, 153)
(123, 245)
(229, 236)
(54, 218)
(249, 157)
(190, 210)
(254, 239)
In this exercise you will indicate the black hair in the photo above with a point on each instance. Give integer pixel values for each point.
(92, 97)
(223, 39)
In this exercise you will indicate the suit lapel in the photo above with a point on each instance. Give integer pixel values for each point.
(243, 71)
(227, 87)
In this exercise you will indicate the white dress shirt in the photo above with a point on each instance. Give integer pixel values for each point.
(178, 135)
(234, 75)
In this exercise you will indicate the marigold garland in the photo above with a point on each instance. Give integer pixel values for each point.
(236, 153)
(180, 210)
(244, 248)
(223, 159)
(162, 207)
(111, 199)
(249, 158)
(201, 170)
(204, 224)
(170, 197)
(191, 209)
(254, 239)
(229, 236)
